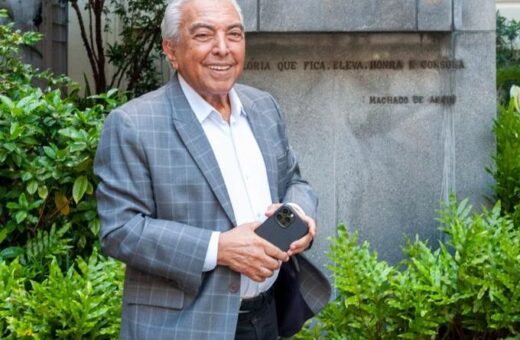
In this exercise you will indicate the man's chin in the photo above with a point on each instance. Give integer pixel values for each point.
(221, 89)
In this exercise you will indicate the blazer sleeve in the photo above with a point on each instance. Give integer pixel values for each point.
(126, 207)
(297, 190)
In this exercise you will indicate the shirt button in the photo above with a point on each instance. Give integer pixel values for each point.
(233, 287)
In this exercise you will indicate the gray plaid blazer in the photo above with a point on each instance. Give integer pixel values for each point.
(161, 195)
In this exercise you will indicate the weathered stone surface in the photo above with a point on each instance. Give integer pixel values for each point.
(474, 15)
(382, 168)
(368, 15)
(337, 15)
(476, 91)
(250, 13)
(434, 15)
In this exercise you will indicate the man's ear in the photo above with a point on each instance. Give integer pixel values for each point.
(170, 49)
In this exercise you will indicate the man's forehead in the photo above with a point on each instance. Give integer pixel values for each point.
(210, 10)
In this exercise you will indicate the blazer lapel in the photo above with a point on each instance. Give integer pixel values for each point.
(260, 129)
(196, 142)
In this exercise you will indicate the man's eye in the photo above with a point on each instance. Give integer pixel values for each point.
(236, 35)
(202, 36)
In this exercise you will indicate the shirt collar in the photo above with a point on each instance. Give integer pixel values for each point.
(203, 109)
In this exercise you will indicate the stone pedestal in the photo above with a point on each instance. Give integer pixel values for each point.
(390, 106)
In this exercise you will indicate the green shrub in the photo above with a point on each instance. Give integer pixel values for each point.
(46, 153)
(47, 146)
(80, 303)
(363, 283)
(507, 159)
(467, 288)
(48, 218)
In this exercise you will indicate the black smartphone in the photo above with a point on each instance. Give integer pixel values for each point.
(283, 228)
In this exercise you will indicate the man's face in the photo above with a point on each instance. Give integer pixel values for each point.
(210, 52)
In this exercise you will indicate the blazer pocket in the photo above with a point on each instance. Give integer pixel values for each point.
(154, 295)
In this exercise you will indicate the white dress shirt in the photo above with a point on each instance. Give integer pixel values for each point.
(243, 169)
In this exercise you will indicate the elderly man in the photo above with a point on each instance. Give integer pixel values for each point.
(187, 173)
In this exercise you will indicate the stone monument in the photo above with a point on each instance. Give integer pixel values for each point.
(390, 106)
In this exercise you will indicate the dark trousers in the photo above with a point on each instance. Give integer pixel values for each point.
(257, 319)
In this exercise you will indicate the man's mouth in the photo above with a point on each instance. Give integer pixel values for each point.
(219, 67)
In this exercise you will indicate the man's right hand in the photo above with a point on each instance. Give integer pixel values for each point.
(242, 250)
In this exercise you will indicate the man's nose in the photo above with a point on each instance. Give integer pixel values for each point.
(221, 44)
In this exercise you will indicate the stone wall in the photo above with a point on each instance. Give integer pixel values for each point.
(390, 106)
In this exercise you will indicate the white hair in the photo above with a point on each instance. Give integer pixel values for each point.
(170, 25)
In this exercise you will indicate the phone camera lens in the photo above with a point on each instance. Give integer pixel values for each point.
(285, 211)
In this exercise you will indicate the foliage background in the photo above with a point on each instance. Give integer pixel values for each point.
(55, 284)
(508, 57)
(464, 288)
(134, 56)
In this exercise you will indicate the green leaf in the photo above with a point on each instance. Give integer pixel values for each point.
(32, 187)
(43, 192)
(49, 152)
(20, 216)
(90, 189)
(111, 92)
(10, 147)
(15, 130)
(11, 252)
(95, 226)
(7, 102)
(12, 205)
(70, 132)
(22, 200)
(26, 176)
(3, 234)
(79, 146)
(79, 188)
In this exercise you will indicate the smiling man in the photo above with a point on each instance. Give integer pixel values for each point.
(187, 173)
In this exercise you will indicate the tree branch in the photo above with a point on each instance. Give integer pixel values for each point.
(140, 61)
(99, 40)
(94, 53)
(120, 73)
(84, 38)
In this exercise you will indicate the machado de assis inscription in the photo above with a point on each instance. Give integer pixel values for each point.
(445, 65)
(385, 124)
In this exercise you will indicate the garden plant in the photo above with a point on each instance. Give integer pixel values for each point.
(53, 282)
(464, 288)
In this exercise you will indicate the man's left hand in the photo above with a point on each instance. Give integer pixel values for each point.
(302, 244)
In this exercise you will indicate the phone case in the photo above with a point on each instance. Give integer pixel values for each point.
(283, 228)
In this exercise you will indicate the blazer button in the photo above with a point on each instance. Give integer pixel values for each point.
(233, 287)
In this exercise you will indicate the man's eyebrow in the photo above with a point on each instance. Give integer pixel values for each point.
(198, 25)
(240, 26)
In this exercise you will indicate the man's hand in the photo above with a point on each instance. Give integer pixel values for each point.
(242, 250)
(300, 245)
